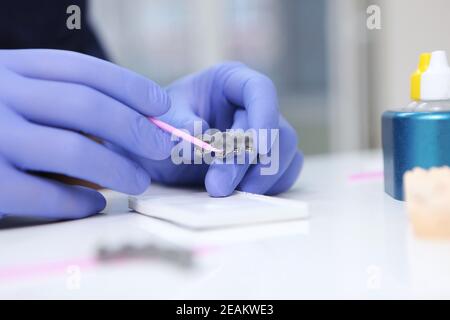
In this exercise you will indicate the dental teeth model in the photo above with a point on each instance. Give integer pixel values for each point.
(427, 195)
(229, 143)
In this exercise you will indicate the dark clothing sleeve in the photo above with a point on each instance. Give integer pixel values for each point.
(42, 24)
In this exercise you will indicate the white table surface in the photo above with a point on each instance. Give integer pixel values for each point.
(357, 244)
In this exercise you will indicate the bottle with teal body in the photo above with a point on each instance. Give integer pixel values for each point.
(418, 135)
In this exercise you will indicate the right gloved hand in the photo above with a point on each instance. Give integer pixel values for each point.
(49, 97)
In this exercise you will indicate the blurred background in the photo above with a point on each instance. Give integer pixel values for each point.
(334, 76)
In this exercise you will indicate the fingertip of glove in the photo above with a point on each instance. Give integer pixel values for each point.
(142, 181)
(159, 100)
(217, 187)
(99, 202)
(94, 203)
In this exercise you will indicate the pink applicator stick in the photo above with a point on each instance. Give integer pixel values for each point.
(183, 135)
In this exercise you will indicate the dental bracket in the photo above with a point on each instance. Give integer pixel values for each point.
(230, 143)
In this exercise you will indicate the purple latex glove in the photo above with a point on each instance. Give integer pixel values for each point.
(49, 97)
(228, 95)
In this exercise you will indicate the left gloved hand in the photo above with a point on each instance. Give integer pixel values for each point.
(228, 95)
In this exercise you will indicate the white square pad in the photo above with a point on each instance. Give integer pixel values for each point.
(196, 209)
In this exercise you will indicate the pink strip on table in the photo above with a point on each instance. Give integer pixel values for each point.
(59, 267)
(361, 176)
(43, 269)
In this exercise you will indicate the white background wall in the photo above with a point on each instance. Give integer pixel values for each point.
(409, 27)
(348, 84)
(368, 70)
(166, 39)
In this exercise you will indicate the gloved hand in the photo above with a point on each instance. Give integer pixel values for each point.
(228, 95)
(49, 97)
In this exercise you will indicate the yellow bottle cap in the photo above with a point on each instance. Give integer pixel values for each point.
(431, 81)
(424, 62)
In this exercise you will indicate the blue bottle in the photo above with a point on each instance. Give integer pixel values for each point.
(418, 135)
